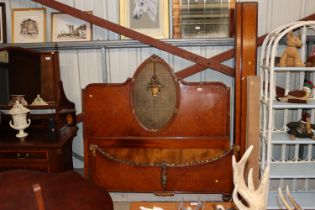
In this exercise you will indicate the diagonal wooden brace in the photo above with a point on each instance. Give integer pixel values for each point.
(215, 60)
(201, 61)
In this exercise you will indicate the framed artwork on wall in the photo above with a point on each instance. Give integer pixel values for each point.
(28, 25)
(203, 19)
(66, 28)
(150, 17)
(3, 27)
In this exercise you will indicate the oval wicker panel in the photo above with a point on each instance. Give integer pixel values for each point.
(154, 112)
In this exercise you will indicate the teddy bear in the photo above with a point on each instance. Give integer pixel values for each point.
(291, 57)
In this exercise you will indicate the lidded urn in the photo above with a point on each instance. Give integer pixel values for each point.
(19, 113)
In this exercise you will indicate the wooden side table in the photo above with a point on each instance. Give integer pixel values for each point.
(37, 151)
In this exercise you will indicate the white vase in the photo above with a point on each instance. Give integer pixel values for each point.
(18, 113)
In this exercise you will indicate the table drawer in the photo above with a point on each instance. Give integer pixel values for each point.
(23, 155)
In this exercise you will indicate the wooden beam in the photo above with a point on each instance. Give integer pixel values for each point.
(186, 72)
(238, 78)
(245, 65)
(134, 35)
(310, 17)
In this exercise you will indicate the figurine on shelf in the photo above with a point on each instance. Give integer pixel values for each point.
(310, 61)
(38, 101)
(297, 96)
(302, 128)
(291, 56)
(20, 98)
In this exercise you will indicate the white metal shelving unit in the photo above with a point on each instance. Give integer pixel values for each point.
(292, 162)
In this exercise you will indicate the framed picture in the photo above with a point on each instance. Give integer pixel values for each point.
(67, 28)
(28, 25)
(150, 17)
(203, 19)
(3, 27)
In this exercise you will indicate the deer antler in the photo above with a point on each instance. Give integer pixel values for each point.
(291, 199)
(256, 199)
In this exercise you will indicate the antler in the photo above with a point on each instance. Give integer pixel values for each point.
(256, 199)
(291, 199)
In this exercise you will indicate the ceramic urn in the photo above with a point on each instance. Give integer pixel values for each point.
(19, 113)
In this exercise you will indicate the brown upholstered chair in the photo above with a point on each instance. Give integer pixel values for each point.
(63, 191)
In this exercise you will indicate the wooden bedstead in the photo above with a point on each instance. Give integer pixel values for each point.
(175, 141)
(189, 150)
(130, 147)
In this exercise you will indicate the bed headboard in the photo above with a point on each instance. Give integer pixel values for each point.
(155, 118)
(199, 109)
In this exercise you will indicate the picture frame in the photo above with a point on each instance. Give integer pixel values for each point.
(28, 25)
(3, 26)
(203, 19)
(65, 28)
(150, 17)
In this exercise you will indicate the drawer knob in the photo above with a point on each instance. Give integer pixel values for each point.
(22, 157)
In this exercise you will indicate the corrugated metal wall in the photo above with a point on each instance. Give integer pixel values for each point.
(80, 67)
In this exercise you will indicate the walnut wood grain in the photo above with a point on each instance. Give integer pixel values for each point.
(214, 177)
(37, 151)
(203, 113)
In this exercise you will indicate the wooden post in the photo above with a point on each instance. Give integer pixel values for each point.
(253, 125)
(245, 65)
(39, 197)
